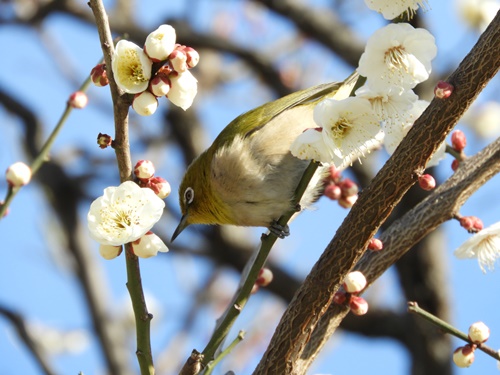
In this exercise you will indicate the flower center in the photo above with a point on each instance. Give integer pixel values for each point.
(136, 73)
(340, 128)
(395, 58)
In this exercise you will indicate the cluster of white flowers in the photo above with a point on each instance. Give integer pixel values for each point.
(160, 69)
(397, 58)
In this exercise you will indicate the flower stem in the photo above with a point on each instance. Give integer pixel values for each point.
(448, 328)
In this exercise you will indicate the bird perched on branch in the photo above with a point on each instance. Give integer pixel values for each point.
(248, 176)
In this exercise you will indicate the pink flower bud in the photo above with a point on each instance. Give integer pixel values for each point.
(358, 305)
(335, 173)
(160, 85)
(339, 298)
(354, 282)
(349, 187)
(99, 76)
(18, 174)
(458, 140)
(144, 169)
(455, 164)
(479, 332)
(178, 60)
(193, 57)
(443, 90)
(160, 186)
(78, 100)
(375, 245)
(104, 140)
(347, 202)
(427, 182)
(333, 191)
(471, 223)
(265, 277)
(145, 103)
(464, 356)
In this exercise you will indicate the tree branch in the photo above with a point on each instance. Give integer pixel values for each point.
(376, 203)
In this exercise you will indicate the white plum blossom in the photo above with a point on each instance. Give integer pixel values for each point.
(389, 105)
(131, 67)
(478, 13)
(184, 87)
(395, 131)
(350, 127)
(398, 55)
(123, 214)
(148, 246)
(160, 43)
(310, 145)
(391, 9)
(145, 103)
(484, 245)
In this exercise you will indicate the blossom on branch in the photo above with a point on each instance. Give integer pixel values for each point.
(391, 9)
(131, 67)
(123, 214)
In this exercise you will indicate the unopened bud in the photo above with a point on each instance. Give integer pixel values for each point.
(427, 182)
(349, 187)
(458, 140)
(109, 251)
(99, 76)
(78, 100)
(479, 332)
(348, 202)
(333, 191)
(193, 57)
(265, 277)
(455, 164)
(358, 305)
(471, 223)
(339, 298)
(443, 90)
(178, 60)
(144, 169)
(335, 173)
(464, 356)
(160, 186)
(148, 246)
(18, 174)
(375, 245)
(104, 140)
(145, 103)
(354, 282)
(160, 85)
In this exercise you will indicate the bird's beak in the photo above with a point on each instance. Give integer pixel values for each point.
(183, 224)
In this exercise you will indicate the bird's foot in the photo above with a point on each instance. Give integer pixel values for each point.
(281, 231)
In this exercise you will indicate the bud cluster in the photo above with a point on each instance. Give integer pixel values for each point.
(144, 172)
(343, 190)
(264, 278)
(478, 334)
(159, 69)
(354, 283)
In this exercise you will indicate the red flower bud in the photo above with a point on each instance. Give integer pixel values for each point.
(443, 90)
(427, 182)
(375, 245)
(458, 140)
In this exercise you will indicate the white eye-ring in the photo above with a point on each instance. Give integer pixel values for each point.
(189, 195)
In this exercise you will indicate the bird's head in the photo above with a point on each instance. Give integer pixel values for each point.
(198, 200)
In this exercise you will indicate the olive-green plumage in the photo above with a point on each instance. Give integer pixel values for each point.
(248, 176)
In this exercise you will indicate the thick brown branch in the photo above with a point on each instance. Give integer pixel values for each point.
(376, 203)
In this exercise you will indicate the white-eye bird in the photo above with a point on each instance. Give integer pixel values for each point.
(248, 176)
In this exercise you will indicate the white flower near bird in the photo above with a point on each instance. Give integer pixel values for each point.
(123, 214)
(131, 67)
(391, 9)
(398, 55)
(184, 87)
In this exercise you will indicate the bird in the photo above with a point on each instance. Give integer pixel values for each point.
(248, 176)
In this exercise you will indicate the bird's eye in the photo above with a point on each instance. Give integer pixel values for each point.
(189, 195)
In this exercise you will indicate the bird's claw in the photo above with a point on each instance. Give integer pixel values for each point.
(281, 231)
